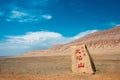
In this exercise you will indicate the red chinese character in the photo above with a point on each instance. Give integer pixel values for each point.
(79, 58)
(81, 65)
(77, 51)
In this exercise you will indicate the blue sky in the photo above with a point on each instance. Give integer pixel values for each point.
(38, 24)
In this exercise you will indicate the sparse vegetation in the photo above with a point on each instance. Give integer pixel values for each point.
(56, 68)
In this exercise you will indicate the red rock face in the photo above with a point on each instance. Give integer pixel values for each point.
(101, 42)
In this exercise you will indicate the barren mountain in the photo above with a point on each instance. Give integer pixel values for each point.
(101, 42)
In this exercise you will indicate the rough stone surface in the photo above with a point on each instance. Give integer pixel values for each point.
(81, 60)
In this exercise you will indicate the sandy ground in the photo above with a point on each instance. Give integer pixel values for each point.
(57, 68)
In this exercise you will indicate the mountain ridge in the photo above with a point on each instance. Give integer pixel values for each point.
(101, 42)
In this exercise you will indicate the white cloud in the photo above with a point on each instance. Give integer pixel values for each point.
(20, 16)
(29, 11)
(113, 24)
(84, 33)
(47, 17)
(35, 40)
(31, 37)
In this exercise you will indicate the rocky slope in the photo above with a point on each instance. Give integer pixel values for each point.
(102, 42)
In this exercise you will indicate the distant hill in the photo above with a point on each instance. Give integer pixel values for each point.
(98, 43)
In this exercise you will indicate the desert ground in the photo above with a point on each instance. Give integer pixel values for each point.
(57, 68)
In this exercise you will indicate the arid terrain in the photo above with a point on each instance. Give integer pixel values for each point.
(55, 63)
(101, 42)
(57, 68)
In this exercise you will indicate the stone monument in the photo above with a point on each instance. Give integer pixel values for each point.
(82, 62)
